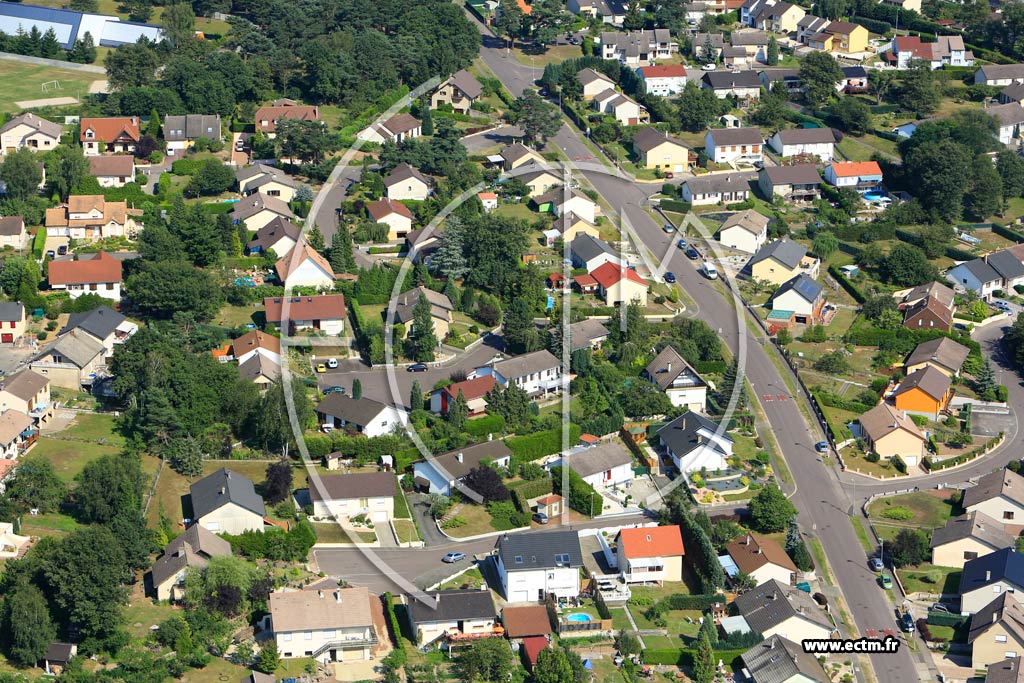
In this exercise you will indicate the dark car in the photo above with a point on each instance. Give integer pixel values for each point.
(670, 277)
(681, 244)
(692, 254)
(334, 390)
(540, 518)
(62, 250)
(50, 253)
(417, 367)
(907, 622)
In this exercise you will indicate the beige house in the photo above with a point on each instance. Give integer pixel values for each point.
(17, 433)
(329, 625)
(594, 83)
(441, 310)
(395, 215)
(91, 217)
(13, 233)
(113, 171)
(343, 496)
(227, 502)
(627, 111)
(988, 576)
(619, 285)
(458, 615)
(780, 261)
(29, 130)
(997, 632)
(776, 609)
(460, 91)
(29, 393)
(405, 182)
(651, 554)
(943, 354)
(745, 231)
(540, 181)
(968, 537)
(12, 321)
(1000, 495)
(267, 180)
(658, 150)
(257, 210)
(517, 154)
(73, 362)
(194, 548)
(10, 542)
(762, 559)
(890, 432)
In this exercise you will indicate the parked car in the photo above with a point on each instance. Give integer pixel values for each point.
(708, 67)
(452, 558)
(320, 367)
(417, 367)
(669, 227)
(62, 250)
(876, 564)
(333, 390)
(332, 363)
(907, 622)
(821, 446)
(670, 277)
(710, 272)
(681, 244)
(540, 518)
(692, 254)
(886, 580)
(670, 175)
(50, 253)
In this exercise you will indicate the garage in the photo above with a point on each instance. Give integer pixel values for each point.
(7, 338)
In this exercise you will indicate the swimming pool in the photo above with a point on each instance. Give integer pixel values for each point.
(873, 196)
(578, 616)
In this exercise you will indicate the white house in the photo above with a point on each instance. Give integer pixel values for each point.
(227, 502)
(604, 465)
(442, 473)
(716, 188)
(397, 129)
(663, 79)
(1009, 118)
(776, 609)
(819, 142)
(678, 379)
(985, 578)
(627, 111)
(99, 275)
(328, 625)
(999, 75)
(695, 442)
(637, 47)
(977, 276)
(744, 85)
(536, 373)
(279, 235)
(456, 615)
(342, 496)
(532, 565)
(1000, 495)
(29, 130)
(593, 83)
(862, 176)
(324, 313)
(725, 145)
(762, 559)
(405, 182)
(802, 296)
(586, 251)
(305, 267)
(359, 415)
(746, 231)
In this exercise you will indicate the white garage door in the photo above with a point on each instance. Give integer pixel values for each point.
(519, 596)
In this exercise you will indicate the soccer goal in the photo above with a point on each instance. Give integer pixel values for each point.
(49, 86)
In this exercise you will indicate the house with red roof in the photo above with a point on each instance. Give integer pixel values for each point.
(618, 284)
(100, 275)
(862, 176)
(946, 50)
(663, 79)
(474, 391)
(117, 134)
(393, 214)
(650, 554)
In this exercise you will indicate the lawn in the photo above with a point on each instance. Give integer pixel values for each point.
(471, 577)
(70, 457)
(51, 524)
(330, 532)
(605, 671)
(94, 427)
(406, 530)
(854, 150)
(237, 316)
(519, 210)
(856, 461)
(928, 578)
(930, 509)
(620, 621)
(478, 521)
(21, 82)
(838, 419)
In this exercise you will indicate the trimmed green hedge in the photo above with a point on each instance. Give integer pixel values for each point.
(537, 445)
(581, 496)
(710, 367)
(960, 459)
(675, 206)
(685, 658)
(1008, 233)
(482, 426)
(947, 619)
(845, 283)
(396, 632)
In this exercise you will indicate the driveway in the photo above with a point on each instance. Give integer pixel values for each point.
(503, 135)
(420, 505)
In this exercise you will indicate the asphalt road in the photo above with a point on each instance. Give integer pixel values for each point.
(824, 508)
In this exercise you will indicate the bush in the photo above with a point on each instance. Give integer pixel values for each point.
(872, 457)
(898, 512)
(539, 444)
(581, 496)
(393, 628)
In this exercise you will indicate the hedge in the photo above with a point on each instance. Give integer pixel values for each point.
(1008, 233)
(713, 367)
(873, 336)
(482, 426)
(581, 496)
(396, 632)
(537, 445)
(958, 254)
(185, 167)
(875, 25)
(685, 658)
(851, 249)
(530, 489)
(845, 283)
(675, 206)
(680, 601)
(961, 459)
(597, 311)
(936, 618)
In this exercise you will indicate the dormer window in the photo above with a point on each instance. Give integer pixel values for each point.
(89, 134)
(519, 559)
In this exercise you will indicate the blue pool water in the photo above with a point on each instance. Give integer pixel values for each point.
(579, 616)
(873, 196)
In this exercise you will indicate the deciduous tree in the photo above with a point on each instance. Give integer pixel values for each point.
(22, 173)
(28, 628)
(770, 510)
(819, 72)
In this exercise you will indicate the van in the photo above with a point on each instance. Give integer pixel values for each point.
(709, 270)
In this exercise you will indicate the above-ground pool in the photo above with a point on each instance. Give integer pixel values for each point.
(874, 196)
(578, 616)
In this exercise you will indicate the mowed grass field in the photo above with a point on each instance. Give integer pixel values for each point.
(20, 82)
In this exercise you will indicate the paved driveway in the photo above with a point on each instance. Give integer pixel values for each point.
(503, 135)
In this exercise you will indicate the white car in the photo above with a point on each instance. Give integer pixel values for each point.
(710, 272)
(332, 363)
(709, 67)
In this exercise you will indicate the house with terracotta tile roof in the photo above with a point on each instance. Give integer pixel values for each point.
(393, 214)
(488, 200)
(113, 171)
(117, 134)
(663, 79)
(99, 275)
(304, 267)
(762, 559)
(862, 176)
(267, 117)
(650, 554)
(619, 284)
(397, 129)
(256, 342)
(945, 50)
(474, 391)
(91, 217)
(325, 313)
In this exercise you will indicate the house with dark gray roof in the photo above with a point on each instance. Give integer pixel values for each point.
(1008, 266)
(1000, 495)
(227, 502)
(997, 631)
(780, 261)
(443, 473)
(798, 183)
(589, 333)
(695, 442)
(103, 324)
(802, 296)
(453, 615)
(968, 537)
(536, 373)
(942, 353)
(533, 565)
(780, 660)
(775, 609)
(181, 132)
(989, 576)
(589, 252)
(677, 378)
(344, 496)
(725, 145)
(194, 548)
(745, 85)
(1005, 671)
(76, 360)
(716, 188)
(791, 142)
(977, 276)
(359, 415)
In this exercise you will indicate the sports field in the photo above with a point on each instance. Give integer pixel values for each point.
(20, 82)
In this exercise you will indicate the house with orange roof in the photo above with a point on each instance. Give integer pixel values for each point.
(116, 134)
(862, 176)
(100, 275)
(393, 214)
(551, 505)
(91, 217)
(267, 117)
(474, 391)
(619, 285)
(489, 200)
(304, 267)
(256, 342)
(650, 554)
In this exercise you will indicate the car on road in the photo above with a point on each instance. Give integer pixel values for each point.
(62, 250)
(332, 363)
(876, 564)
(708, 67)
(821, 446)
(670, 277)
(49, 252)
(709, 270)
(417, 367)
(452, 558)
(669, 175)
(333, 390)
(682, 244)
(540, 518)
(886, 580)
(320, 367)
(669, 228)
(907, 622)
(692, 254)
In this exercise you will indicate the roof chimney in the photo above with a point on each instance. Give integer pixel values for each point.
(320, 594)
(459, 456)
(222, 490)
(337, 596)
(988, 574)
(668, 368)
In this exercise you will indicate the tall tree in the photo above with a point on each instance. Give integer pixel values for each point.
(985, 193)
(315, 238)
(457, 412)
(819, 72)
(552, 667)
(696, 107)
(37, 485)
(509, 20)
(770, 510)
(179, 24)
(825, 244)
(773, 51)
(22, 174)
(733, 384)
(270, 422)
(422, 340)
(985, 381)
(28, 628)
(488, 660)
(1010, 167)
(357, 389)
(49, 46)
(153, 125)
(268, 659)
(340, 256)
(278, 484)
(131, 64)
(159, 290)
(426, 118)
(450, 260)
(704, 661)
(918, 91)
(66, 168)
(538, 118)
(634, 18)
(941, 169)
